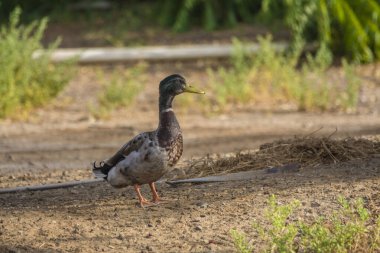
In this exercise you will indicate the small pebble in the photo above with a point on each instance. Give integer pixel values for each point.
(198, 228)
(315, 204)
(202, 205)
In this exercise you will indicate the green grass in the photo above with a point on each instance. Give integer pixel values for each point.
(26, 81)
(273, 78)
(352, 228)
(350, 97)
(119, 89)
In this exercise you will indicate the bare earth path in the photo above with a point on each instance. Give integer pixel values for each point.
(66, 154)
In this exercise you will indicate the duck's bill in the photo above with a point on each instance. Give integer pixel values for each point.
(191, 89)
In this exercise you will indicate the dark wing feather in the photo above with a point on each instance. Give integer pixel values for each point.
(125, 150)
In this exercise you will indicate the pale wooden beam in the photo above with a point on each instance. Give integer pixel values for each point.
(153, 53)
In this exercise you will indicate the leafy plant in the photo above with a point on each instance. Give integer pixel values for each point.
(27, 81)
(271, 78)
(230, 85)
(352, 228)
(348, 227)
(281, 233)
(349, 27)
(240, 242)
(120, 89)
(350, 96)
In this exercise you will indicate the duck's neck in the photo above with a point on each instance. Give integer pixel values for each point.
(165, 102)
(168, 127)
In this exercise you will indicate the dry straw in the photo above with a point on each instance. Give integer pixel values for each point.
(307, 151)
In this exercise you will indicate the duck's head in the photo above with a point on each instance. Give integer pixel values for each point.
(174, 85)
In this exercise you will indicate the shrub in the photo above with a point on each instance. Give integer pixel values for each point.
(27, 81)
(349, 27)
(119, 89)
(272, 78)
(351, 229)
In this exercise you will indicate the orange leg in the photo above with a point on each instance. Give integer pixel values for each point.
(143, 201)
(156, 198)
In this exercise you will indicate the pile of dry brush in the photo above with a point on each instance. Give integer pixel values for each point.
(306, 151)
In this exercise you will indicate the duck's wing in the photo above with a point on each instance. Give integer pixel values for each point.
(125, 150)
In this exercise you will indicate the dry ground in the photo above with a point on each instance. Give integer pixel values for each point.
(58, 143)
(196, 218)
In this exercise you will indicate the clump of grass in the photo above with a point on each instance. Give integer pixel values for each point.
(350, 97)
(234, 85)
(27, 81)
(120, 89)
(272, 78)
(241, 243)
(350, 229)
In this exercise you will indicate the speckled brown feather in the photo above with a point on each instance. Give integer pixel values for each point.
(174, 150)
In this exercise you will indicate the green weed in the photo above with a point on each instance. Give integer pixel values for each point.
(234, 88)
(350, 97)
(271, 78)
(240, 242)
(120, 89)
(27, 81)
(350, 229)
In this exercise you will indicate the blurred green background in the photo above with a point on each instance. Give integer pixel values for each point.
(350, 28)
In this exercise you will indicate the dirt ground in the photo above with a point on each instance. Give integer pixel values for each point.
(196, 218)
(84, 34)
(58, 143)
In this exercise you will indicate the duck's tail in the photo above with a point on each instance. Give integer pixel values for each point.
(101, 171)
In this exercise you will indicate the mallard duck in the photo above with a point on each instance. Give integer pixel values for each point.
(149, 155)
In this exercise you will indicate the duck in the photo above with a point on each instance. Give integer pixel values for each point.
(149, 155)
